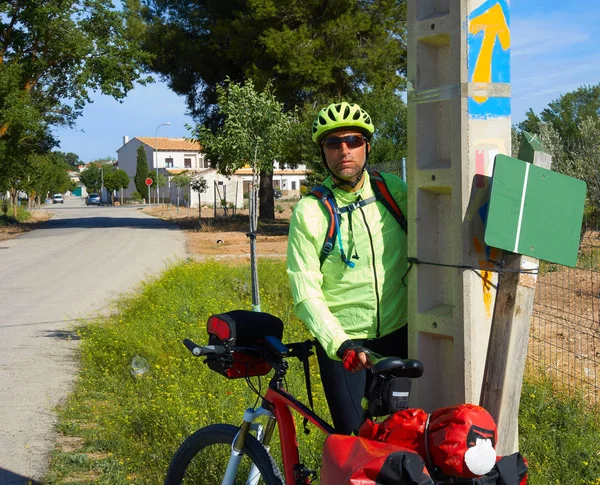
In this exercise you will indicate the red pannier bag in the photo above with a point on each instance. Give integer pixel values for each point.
(246, 330)
(351, 460)
(456, 441)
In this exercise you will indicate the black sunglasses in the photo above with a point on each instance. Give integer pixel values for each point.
(351, 141)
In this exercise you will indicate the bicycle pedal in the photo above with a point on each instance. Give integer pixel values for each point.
(303, 475)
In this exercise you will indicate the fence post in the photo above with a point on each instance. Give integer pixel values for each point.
(509, 336)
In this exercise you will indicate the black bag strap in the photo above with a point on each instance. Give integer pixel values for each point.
(302, 351)
(385, 197)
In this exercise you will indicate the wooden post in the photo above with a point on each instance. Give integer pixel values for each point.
(507, 350)
(509, 335)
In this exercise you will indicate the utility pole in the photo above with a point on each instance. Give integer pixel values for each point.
(458, 121)
(156, 160)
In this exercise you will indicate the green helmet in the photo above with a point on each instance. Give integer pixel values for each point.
(341, 115)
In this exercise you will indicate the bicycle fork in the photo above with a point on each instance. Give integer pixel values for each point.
(237, 447)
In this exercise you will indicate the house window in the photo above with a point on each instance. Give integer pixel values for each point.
(187, 162)
(204, 163)
(169, 162)
(293, 185)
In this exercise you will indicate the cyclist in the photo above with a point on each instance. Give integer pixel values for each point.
(356, 296)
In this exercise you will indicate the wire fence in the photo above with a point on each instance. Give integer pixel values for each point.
(565, 327)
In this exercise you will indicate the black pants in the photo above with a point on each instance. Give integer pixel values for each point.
(344, 390)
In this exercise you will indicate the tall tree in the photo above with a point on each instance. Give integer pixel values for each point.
(141, 172)
(52, 55)
(566, 114)
(91, 177)
(253, 133)
(70, 158)
(312, 50)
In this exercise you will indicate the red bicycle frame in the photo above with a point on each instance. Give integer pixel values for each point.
(282, 402)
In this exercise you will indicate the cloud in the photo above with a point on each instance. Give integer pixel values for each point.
(553, 52)
(545, 36)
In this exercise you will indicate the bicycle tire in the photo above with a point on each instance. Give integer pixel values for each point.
(210, 437)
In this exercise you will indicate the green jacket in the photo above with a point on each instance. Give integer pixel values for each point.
(337, 302)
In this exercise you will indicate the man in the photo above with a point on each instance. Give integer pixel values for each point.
(355, 297)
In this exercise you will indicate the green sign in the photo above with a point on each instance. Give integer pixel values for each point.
(534, 211)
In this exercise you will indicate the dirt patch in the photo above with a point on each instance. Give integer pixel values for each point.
(90, 476)
(227, 238)
(10, 229)
(69, 444)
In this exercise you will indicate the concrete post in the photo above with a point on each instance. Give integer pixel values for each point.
(458, 120)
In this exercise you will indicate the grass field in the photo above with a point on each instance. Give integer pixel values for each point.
(119, 428)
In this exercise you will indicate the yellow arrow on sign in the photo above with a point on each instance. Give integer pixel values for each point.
(494, 25)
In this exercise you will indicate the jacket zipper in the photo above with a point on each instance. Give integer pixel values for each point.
(374, 271)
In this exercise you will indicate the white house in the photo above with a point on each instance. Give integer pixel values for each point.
(173, 156)
(287, 180)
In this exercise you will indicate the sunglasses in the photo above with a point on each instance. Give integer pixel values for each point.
(351, 141)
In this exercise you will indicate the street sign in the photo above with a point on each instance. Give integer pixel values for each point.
(534, 211)
(149, 181)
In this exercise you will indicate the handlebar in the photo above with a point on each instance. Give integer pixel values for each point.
(199, 350)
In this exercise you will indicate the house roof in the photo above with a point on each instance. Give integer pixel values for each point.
(180, 144)
(276, 171)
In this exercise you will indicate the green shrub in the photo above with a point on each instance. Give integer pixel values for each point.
(559, 436)
(279, 209)
(135, 195)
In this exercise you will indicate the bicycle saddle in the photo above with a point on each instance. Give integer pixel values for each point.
(398, 367)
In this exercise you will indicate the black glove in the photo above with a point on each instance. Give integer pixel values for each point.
(348, 352)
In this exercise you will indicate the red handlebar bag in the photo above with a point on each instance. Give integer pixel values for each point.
(350, 460)
(244, 330)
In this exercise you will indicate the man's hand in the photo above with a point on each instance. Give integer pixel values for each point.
(354, 357)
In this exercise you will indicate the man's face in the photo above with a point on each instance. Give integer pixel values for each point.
(345, 153)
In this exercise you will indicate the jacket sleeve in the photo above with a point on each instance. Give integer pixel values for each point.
(303, 268)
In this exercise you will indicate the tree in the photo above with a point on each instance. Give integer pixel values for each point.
(91, 177)
(200, 185)
(310, 51)
(181, 180)
(253, 133)
(70, 159)
(52, 55)
(48, 175)
(115, 179)
(580, 159)
(389, 114)
(61, 50)
(566, 114)
(121, 181)
(141, 171)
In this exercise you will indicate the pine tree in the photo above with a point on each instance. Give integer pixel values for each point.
(141, 171)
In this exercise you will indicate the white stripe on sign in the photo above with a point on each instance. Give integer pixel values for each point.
(400, 394)
(527, 165)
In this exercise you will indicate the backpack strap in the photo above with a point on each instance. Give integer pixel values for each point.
(385, 197)
(326, 197)
(328, 200)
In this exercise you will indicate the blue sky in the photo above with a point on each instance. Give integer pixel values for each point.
(554, 51)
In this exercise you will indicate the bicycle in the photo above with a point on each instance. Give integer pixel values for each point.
(261, 351)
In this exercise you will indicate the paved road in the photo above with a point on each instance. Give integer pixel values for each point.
(69, 268)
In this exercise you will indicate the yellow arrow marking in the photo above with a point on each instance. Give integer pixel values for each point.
(493, 23)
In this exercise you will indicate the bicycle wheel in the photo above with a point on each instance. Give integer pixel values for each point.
(203, 457)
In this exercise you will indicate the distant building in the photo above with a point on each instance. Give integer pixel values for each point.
(287, 180)
(176, 155)
(173, 156)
